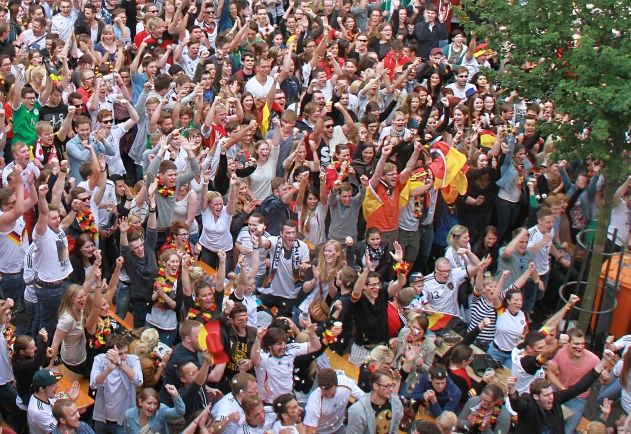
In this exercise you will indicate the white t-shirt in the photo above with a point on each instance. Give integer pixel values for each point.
(40, 416)
(443, 297)
(620, 220)
(63, 25)
(289, 429)
(316, 223)
(509, 329)
(326, 415)
(463, 94)
(245, 240)
(114, 162)
(275, 375)
(51, 267)
(261, 178)
(283, 284)
(189, 65)
(13, 246)
(542, 257)
(523, 378)
(224, 408)
(30, 168)
(216, 234)
(270, 418)
(257, 89)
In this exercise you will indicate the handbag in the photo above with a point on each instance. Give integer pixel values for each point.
(318, 309)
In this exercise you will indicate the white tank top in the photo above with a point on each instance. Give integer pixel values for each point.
(13, 246)
(180, 212)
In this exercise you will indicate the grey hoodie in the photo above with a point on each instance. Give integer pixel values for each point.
(361, 416)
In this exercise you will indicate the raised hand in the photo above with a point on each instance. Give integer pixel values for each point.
(398, 252)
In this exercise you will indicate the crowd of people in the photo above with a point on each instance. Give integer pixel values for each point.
(261, 185)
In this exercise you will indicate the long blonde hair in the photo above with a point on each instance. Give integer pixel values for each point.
(327, 273)
(68, 299)
(454, 234)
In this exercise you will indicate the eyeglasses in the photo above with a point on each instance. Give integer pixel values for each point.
(182, 234)
(83, 199)
(29, 97)
(437, 270)
(107, 121)
(124, 77)
(328, 126)
(386, 386)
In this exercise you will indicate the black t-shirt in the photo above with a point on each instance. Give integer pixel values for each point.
(240, 351)
(371, 320)
(383, 417)
(195, 399)
(54, 115)
(179, 356)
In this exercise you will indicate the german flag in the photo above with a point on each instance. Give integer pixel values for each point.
(487, 138)
(439, 321)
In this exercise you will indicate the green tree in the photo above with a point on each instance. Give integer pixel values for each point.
(578, 54)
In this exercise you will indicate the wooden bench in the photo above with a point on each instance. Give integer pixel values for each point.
(85, 400)
(340, 363)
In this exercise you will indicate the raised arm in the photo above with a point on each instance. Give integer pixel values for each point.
(42, 206)
(376, 177)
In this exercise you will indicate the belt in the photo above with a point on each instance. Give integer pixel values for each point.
(125, 283)
(499, 349)
(40, 283)
(111, 422)
(11, 274)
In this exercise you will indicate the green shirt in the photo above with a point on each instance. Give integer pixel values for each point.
(24, 121)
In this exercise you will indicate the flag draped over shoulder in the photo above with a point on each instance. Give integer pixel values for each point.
(372, 201)
(449, 169)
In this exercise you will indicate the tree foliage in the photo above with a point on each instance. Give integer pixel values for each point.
(578, 54)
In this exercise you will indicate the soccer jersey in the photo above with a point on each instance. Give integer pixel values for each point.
(443, 297)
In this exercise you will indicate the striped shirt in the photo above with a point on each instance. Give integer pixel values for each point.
(480, 309)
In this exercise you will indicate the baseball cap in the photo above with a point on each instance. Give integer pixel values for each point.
(415, 276)
(45, 377)
(435, 51)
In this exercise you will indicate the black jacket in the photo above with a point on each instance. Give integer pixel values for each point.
(81, 27)
(533, 420)
(427, 39)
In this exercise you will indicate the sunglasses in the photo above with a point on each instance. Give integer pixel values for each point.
(107, 121)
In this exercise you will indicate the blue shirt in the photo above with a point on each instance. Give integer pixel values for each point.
(84, 428)
(157, 422)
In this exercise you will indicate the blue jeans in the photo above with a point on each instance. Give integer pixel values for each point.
(140, 309)
(530, 292)
(27, 327)
(500, 356)
(107, 428)
(577, 405)
(123, 298)
(426, 240)
(48, 301)
(12, 414)
(611, 390)
(12, 286)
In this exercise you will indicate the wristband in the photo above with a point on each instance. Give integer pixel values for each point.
(152, 210)
(63, 171)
